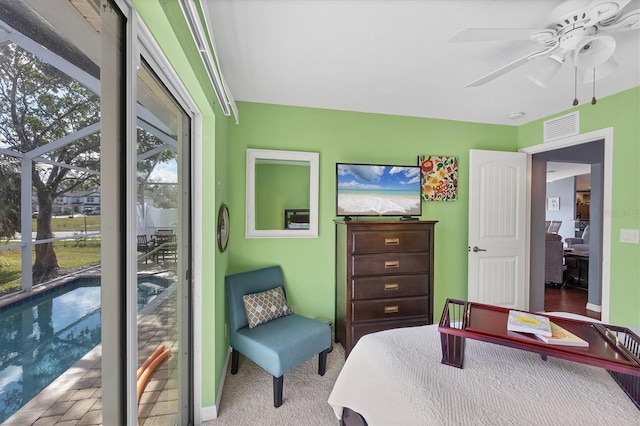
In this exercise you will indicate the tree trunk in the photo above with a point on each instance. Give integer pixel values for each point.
(46, 261)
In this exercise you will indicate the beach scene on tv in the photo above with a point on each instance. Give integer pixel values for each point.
(373, 190)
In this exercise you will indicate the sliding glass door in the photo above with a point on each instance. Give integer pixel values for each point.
(96, 195)
(162, 228)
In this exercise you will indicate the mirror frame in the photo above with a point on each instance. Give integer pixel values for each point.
(253, 156)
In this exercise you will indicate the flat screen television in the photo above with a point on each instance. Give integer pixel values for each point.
(378, 190)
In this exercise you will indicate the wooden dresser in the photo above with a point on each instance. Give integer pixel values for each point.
(384, 277)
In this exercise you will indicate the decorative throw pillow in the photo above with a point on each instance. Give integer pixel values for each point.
(265, 306)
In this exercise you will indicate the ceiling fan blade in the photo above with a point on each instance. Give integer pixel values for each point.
(627, 22)
(601, 10)
(509, 67)
(494, 34)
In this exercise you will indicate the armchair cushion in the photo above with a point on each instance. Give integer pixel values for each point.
(265, 306)
(284, 343)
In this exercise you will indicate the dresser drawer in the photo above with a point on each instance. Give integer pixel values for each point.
(390, 264)
(359, 330)
(388, 309)
(390, 286)
(387, 241)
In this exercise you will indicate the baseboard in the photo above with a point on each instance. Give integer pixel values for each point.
(210, 413)
(594, 308)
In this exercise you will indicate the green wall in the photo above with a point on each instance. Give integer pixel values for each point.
(213, 288)
(622, 112)
(372, 138)
(308, 264)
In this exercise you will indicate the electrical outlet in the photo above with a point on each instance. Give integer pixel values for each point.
(630, 236)
(293, 308)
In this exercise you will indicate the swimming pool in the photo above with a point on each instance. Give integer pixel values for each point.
(42, 337)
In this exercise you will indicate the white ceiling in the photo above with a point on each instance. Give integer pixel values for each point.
(392, 57)
(582, 172)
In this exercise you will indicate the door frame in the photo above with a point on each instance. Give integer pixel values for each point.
(606, 135)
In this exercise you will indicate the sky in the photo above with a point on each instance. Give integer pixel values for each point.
(358, 176)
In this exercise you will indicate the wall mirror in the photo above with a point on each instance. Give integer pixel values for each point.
(282, 194)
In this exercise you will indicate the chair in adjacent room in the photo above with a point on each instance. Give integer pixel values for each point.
(554, 227)
(263, 329)
(554, 260)
(580, 244)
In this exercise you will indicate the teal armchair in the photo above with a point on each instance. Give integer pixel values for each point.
(279, 345)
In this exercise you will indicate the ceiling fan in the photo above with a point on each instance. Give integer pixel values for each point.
(577, 29)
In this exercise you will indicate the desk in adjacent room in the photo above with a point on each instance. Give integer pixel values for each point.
(577, 263)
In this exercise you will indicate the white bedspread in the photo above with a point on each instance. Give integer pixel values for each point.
(396, 377)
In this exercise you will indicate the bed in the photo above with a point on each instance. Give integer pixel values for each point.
(395, 377)
(296, 219)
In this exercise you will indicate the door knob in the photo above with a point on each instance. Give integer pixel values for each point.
(477, 249)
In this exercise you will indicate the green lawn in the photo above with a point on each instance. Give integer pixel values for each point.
(71, 254)
(66, 223)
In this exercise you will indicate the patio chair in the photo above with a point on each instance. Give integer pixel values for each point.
(166, 246)
(145, 246)
(280, 344)
(164, 232)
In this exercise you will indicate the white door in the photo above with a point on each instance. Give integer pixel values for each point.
(497, 228)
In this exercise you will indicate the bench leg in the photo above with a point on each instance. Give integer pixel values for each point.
(322, 362)
(235, 356)
(277, 390)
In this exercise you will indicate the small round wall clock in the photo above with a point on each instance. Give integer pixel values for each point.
(223, 227)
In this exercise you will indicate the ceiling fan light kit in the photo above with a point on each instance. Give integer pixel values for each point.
(591, 52)
(546, 69)
(587, 76)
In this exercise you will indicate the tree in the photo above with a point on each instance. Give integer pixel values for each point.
(10, 197)
(39, 104)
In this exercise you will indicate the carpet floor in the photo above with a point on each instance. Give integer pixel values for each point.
(247, 397)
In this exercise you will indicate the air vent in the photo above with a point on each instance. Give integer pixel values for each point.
(562, 127)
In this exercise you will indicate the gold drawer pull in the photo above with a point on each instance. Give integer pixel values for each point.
(391, 241)
(393, 309)
(393, 286)
(391, 264)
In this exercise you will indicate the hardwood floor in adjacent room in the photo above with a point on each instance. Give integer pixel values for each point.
(568, 299)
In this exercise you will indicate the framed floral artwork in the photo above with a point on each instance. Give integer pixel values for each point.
(439, 177)
(553, 203)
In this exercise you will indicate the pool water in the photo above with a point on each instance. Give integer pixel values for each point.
(43, 337)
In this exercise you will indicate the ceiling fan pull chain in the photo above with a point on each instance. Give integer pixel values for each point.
(575, 86)
(593, 99)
